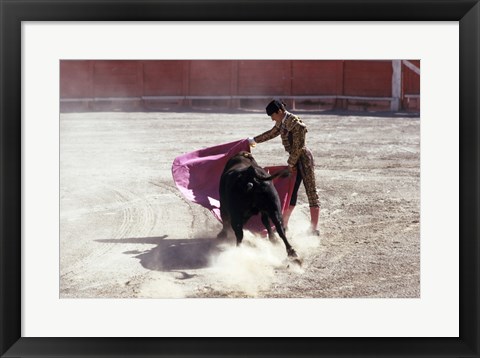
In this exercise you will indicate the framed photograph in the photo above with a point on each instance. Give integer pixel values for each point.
(118, 119)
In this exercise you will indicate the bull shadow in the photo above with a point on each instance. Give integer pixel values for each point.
(173, 254)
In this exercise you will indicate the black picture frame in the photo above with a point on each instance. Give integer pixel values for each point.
(13, 12)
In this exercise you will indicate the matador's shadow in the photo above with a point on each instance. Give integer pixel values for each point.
(173, 255)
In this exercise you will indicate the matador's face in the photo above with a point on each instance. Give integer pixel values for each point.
(278, 116)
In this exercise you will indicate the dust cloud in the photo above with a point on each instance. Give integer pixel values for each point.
(253, 266)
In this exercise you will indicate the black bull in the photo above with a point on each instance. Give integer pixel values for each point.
(246, 189)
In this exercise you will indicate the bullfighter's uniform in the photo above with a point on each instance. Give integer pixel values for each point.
(293, 131)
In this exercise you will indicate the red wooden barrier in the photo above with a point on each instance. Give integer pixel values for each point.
(305, 84)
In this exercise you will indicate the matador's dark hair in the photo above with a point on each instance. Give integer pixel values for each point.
(274, 106)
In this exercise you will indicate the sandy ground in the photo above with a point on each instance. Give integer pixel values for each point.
(126, 231)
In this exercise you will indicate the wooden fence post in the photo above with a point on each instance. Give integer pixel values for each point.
(396, 85)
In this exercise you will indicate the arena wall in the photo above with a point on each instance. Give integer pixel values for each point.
(239, 84)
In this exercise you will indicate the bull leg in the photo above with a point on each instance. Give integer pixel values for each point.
(226, 224)
(277, 221)
(224, 232)
(237, 227)
(267, 225)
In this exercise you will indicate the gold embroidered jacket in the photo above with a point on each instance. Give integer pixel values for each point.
(292, 131)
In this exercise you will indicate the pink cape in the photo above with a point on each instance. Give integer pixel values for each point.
(197, 176)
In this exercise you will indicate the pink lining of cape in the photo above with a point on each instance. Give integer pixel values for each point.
(197, 176)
